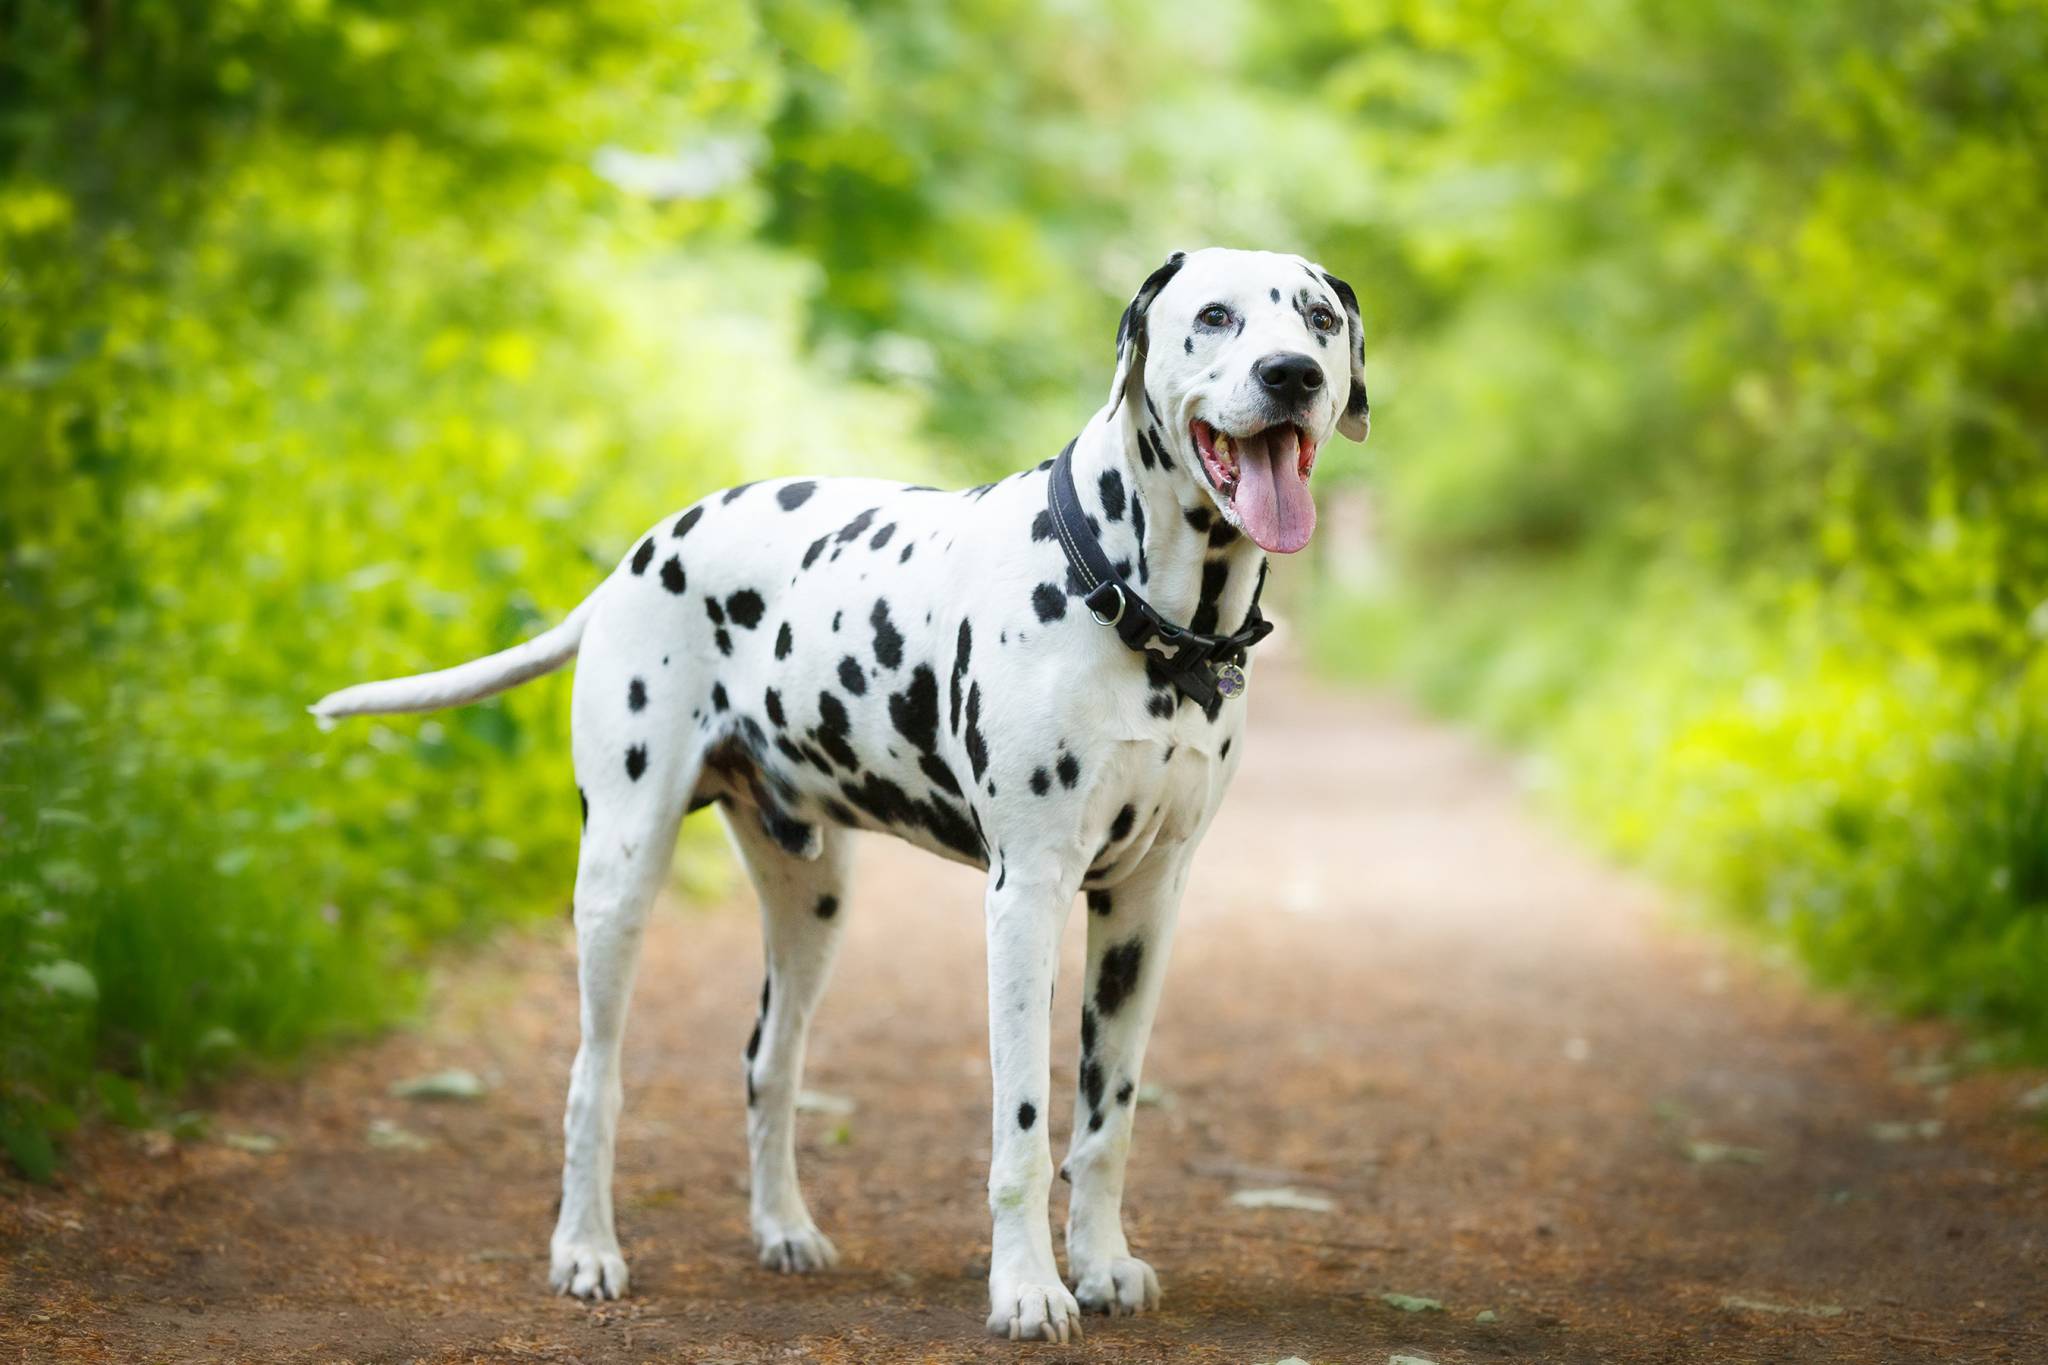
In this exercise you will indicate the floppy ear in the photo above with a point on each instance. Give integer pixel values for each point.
(1357, 418)
(1131, 336)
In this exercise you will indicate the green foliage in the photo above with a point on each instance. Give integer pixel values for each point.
(301, 387)
(1719, 477)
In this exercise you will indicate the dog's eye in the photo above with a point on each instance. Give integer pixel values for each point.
(1322, 319)
(1215, 315)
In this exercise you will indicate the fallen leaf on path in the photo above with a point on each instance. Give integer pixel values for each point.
(1486, 1315)
(1410, 1360)
(262, 1144)
(1805, 1310)
(1906, 1130)
(1722, 1153)
(453, 1084)
(1283, 1197)
(1411, 1303)
(818, 1102)
(2035, 1099)
(392, 1138)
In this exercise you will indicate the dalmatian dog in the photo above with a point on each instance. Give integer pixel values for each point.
(820, 656)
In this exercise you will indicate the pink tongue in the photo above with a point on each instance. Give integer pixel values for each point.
(1272, 499)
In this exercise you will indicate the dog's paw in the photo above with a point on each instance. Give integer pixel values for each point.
(589, 1270)
(1034, 1312)
(795, 1250)
(1117, 1286)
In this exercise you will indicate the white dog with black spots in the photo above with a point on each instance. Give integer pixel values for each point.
(822, 656)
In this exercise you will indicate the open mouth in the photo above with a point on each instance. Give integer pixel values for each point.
(1265, 476)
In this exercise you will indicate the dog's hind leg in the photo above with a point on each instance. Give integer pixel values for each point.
(801, 911)
(1129, 931)
(634, 786)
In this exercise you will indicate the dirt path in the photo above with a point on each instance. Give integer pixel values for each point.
(1394, 989)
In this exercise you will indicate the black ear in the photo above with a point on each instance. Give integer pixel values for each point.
(1131, 337)
(1357, 418)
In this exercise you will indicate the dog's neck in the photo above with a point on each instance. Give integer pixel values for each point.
(1192, 566)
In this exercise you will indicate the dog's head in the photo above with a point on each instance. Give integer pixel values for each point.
(1247, 360)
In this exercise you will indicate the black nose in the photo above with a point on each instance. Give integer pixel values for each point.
(1289, 375)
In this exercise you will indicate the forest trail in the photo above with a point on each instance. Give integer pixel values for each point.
(1520, 1089)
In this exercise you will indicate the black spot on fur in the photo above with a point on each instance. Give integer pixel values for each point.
(1099, 902)
(1041, 781)
(835, 621)
(934, 767)
(1087, 1031)
(722, 640)
(1069, 769)
(1048, 601)
(833, 729)
(909, 548)
(850, 676)
(882, 536)
(584, 802)
(888, 640)
(817, 548)
(1197, 518)
(1188, 343)
(915, 710)
(854, 529)
(1027, 1114)
(1162, 705)
(1221, 534)
(1118, 976)
(643, 556)
(963, 647)
(1111, 486)
(1041, 526)
(977, 747)
(892, 807)
(1225, 752)
(719, 701)
(636, 695)
(686, 521)
(1124, 1093)
(795, 495)
(1215, 576)
(1138, 529)
(636, 761)
(714, 611)
(1276, 296)
(782, 641)
(672, 576)
(1120, 828)
(772, 700)
(744, 607)
(732, 493)
(1091, 1082)
(1095, 1122)
(827, 907)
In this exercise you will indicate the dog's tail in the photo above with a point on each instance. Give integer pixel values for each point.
(473, 681)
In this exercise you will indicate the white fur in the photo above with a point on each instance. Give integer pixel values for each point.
(1049, 749)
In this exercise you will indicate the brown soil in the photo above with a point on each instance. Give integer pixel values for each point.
(1393, 988)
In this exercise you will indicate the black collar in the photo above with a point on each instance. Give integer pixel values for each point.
(1203, 667)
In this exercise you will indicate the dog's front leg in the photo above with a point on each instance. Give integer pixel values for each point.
(1027, 1301)
(1129, 931)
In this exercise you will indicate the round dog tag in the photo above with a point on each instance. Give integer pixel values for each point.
(1229, 680)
